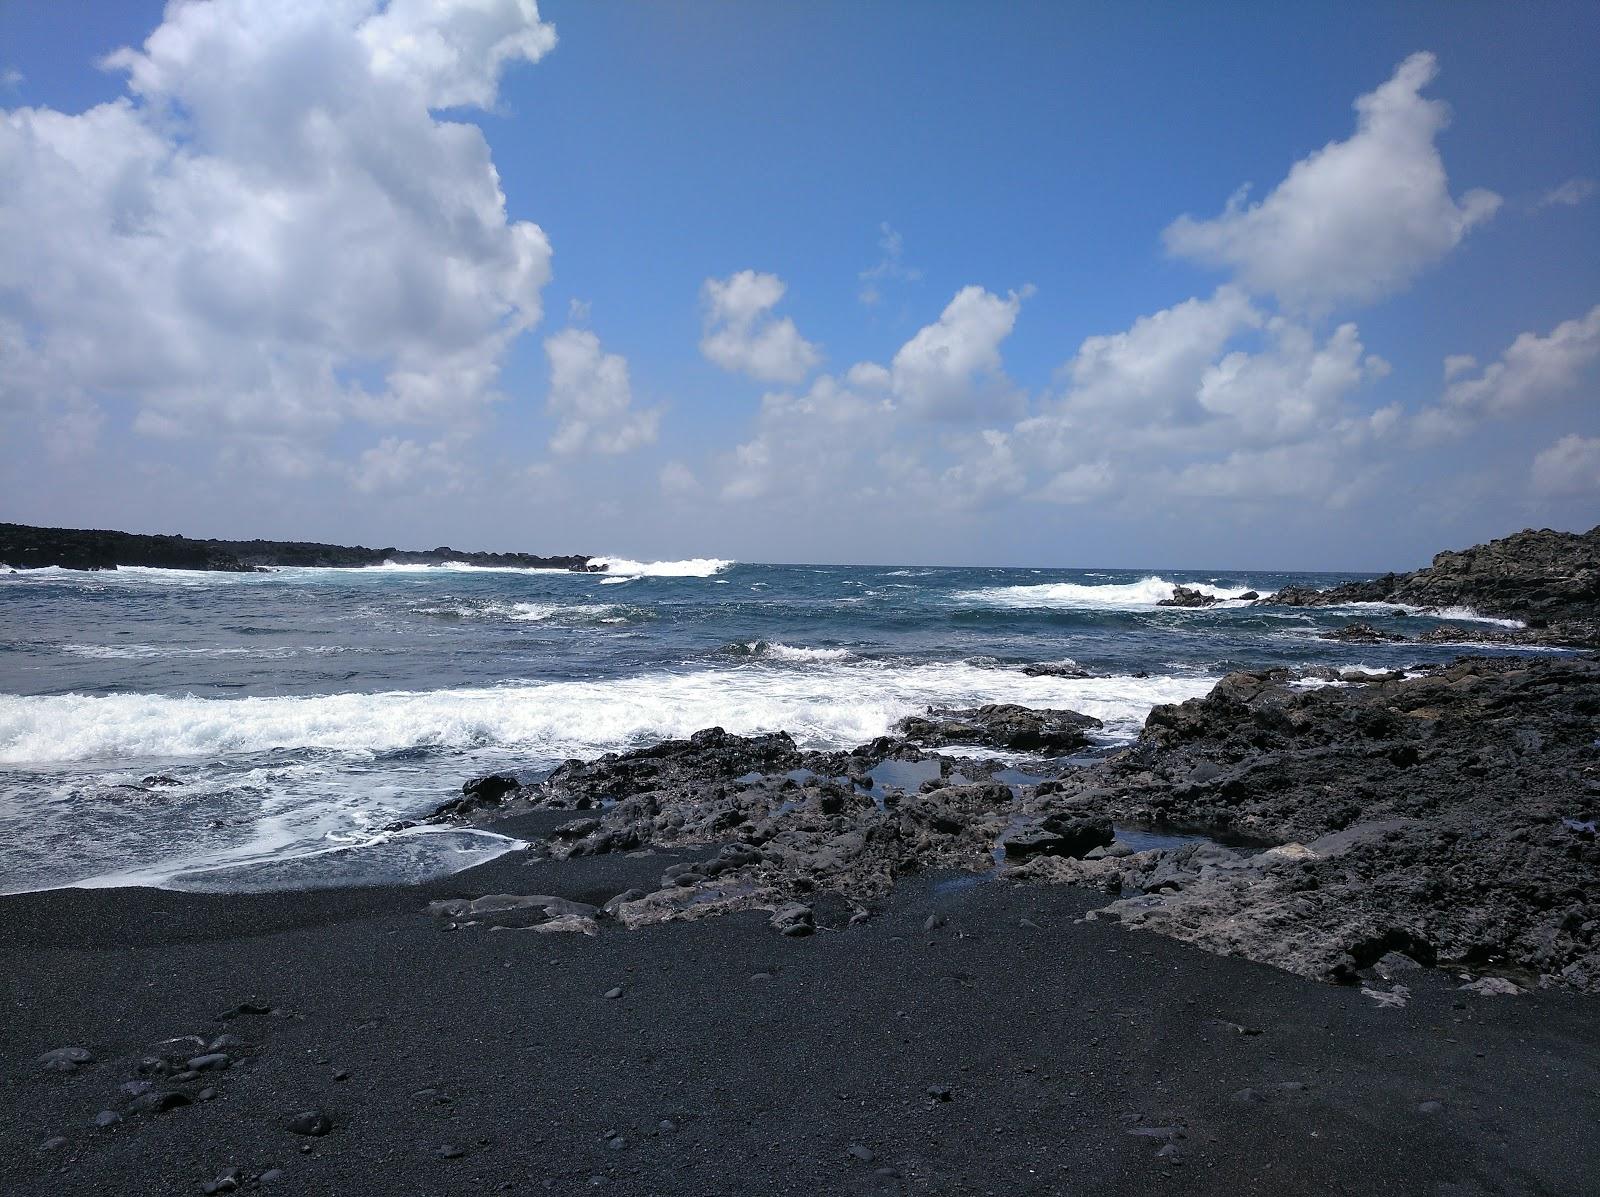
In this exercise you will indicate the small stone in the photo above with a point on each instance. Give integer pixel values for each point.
(793, 919)
(226, 1183)
(309, 1122)
(761, 976)
(270, 1176)
(667, 1126)
(65, 1059)
(136, 1088)
(861, 1152)
(1249, 1097)
(1430, 1107)
(107, 1118)
(941, 1092)
(207, 1093)
(158, 1102)
(53, 1143)
(449, 1151)
(612, 995)
(616, 1143)
(224, 1043)
(932, 923)
(212, 1061)
(341, 1075)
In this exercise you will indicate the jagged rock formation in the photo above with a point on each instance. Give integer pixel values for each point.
(1549, 580)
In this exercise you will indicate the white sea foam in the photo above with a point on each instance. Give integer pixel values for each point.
(771, 650)
(149, 652)
(1133, 596)
(1458, 614)
(693, 567)
(833, 704)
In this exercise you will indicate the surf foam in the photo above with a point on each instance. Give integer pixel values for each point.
(834, 705)
(1133, 596)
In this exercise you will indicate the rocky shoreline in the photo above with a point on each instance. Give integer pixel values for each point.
(1445, 814)
(23, 546)
(1550, 581)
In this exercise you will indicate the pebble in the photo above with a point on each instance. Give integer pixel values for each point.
(616, 1143)
(64, 1059)
(940, 1092)
(53, 1143)
(1430, 1107)
(449, 1151)
(207, 1093)
(667, 1126)
(932, 922)
(158, 1102)
(270, 1176)
(209, 1061)
(761, 976)
(107, 1118)
(861, 1152)
(309, 1122)
(226, 1183)
(612, 995)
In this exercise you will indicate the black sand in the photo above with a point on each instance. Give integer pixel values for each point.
(739, 1062)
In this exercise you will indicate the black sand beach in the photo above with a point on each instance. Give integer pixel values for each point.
(973, 1037)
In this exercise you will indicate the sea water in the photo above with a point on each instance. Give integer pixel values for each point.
(236, 731)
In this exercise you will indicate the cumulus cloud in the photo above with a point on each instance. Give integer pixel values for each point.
(1571, 466)
(592, 399)
(678, 480)
(951, 370)
(1570, 194)
(741, 335)
(272, 231)
(1532, 371)
(1155, 364)
(1355, 220)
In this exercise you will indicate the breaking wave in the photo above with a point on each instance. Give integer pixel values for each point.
(1134, 596)
(692, 567)
(835, 705)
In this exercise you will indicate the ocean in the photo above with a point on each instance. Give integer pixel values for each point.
(231, 732)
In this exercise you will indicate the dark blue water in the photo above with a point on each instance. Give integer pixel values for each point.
(286, 717)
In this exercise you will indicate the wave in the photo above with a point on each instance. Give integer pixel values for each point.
(150, 652)
(835, 704)
(692, 567)
(1460, 614)
(1134, 596)
(530, 612)
(771, 650)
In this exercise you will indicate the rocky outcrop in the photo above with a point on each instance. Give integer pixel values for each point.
(1446, 814)
(1549, 580)
(1362, 633)
(1449, 816)
(1185, 596)
(25, 547)
(1001, 725)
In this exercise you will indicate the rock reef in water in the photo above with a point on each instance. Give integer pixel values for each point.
(23, 546)
(1548, 580)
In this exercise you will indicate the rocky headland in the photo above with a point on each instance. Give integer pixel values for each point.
(23, 546)
(1548, 580)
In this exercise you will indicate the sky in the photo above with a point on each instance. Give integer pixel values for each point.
(1309, 286)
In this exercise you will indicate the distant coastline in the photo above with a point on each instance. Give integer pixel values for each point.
(23, 546)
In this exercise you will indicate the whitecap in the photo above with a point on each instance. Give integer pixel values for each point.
(692, 567)
(1132, 596)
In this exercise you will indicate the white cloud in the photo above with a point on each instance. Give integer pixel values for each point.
(890, 266)
(1355, 220)
(1155, 365)
(393, 464)
(1288, 392)
(11, 79)
(678, 481)
(741, 335)
(1531, 371)
(1571, 466)
(1080, 484)
(271, 232)
(950, 370)
(1570, 194)
(592, 399)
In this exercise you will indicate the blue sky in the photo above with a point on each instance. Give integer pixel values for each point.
(851, 282)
